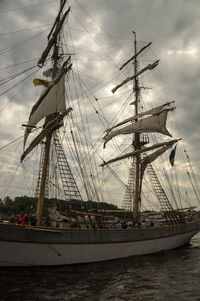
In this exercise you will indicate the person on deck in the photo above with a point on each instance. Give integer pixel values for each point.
(129, 225)
(33, 220)
(124, 224)
(118, 225)
(112, 225)
(21, 219)
(26, 219)
(13, 219)
(143, 224)
(151, 224)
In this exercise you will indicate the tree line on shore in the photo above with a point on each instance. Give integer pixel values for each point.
(25, 204)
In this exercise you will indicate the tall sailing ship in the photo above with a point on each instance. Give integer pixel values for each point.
(85, 236)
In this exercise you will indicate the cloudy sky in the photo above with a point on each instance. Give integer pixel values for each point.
(102, 30)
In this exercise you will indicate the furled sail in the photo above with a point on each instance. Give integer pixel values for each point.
(135, 55)
(63, 2)
(153, 111)
(152, 157)
(140, 151)
(51, 101)
(152, 124)
(148, 67)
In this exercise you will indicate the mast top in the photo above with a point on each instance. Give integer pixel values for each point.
(54, 32)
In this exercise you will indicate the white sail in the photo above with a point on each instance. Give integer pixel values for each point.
(153, 111)
(53, 102)
(49, 127)
(155, 123)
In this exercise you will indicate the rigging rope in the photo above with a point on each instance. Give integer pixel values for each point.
(196, 193)
(24, 7)
(193, 173)
(11, 66)
(11, 142)
(6, 80)
(5, 50)
(17, 31)
(10, 181)
(4, 92)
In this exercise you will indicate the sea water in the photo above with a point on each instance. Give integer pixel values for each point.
(170, 275)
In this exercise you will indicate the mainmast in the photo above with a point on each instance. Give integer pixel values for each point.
(136, 143)
(150, 121)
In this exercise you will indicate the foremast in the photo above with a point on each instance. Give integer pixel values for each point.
(51, 104)
(40, 203)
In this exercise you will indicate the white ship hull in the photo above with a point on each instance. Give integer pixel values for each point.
(44, 253)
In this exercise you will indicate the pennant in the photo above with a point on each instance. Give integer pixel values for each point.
(41, 82)
(172, 156)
